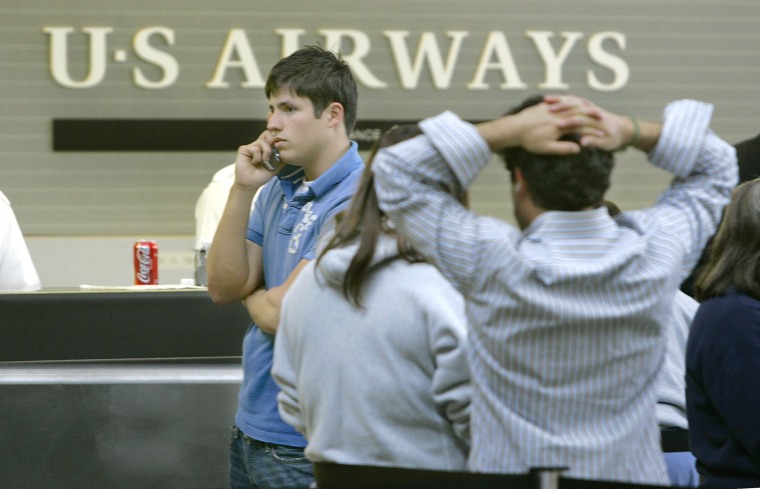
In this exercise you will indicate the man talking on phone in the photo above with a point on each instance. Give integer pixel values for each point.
(307, 169)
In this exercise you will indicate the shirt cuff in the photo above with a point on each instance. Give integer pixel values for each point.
(459, 143)
(685, 126)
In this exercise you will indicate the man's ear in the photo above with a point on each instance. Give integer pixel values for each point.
(519, 184)
(334, 113)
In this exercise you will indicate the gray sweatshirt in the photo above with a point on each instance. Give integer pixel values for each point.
(671, 383)
(387, 384)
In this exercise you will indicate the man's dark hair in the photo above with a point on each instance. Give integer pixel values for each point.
(561, 183)
(319, 75)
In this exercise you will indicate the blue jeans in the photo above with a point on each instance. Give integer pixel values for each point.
(258, 465)
(682, 469)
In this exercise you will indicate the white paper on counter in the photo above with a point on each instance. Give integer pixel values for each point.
(142, 287)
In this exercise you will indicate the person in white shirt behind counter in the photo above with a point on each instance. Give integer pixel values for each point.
(17, 270)
(210, 206)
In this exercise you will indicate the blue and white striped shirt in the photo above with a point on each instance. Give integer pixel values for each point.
(566, 318)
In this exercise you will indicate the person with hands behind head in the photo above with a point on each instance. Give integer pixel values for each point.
(566, 313)
(312, 109)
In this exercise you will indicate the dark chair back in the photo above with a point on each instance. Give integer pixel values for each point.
(340, 476)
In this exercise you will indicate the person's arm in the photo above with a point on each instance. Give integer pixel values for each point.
(704, 166)
(445, 310)
(538, 128)
(285, 367)
(705, 171)
(608, 131)
(264, 305)
(234, 264)
(412, 179)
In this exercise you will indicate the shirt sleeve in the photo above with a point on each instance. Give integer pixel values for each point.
(705, 173)
(258, 212)
(451, 379)
(414, 179)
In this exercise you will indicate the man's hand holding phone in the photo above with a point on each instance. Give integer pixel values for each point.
(273, 162)
(257, 162)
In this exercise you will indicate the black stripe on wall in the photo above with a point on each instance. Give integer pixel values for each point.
(178, 134)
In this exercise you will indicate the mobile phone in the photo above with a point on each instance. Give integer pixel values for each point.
(273, 161)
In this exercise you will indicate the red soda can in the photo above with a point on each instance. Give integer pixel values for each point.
(146, 263)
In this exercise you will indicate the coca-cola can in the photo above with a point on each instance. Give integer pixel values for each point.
(146, 263)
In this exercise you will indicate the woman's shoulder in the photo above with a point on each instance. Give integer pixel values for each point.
(732, 308)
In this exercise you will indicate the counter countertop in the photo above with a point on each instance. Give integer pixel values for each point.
(125, 325)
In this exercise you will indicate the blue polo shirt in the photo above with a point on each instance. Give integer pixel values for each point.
(286, 223)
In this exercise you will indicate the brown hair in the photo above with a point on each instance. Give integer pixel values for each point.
(363, 220)
(734, 257)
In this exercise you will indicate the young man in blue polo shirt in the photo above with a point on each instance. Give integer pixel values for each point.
(312, 109)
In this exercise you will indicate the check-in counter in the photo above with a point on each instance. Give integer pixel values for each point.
(117, 389)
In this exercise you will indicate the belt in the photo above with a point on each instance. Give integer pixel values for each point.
(674, 440)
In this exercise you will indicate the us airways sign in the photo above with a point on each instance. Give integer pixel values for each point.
(439, 53)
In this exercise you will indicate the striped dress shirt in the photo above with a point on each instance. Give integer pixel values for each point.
(566, 318)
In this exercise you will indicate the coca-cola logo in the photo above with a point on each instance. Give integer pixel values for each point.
(145, 263)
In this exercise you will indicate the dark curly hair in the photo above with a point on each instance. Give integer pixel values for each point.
(561, 183)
